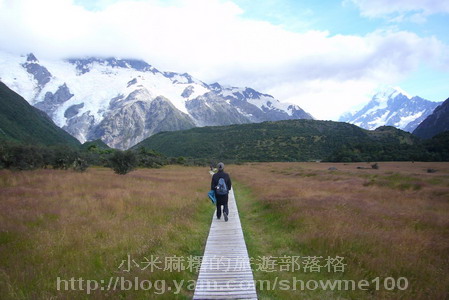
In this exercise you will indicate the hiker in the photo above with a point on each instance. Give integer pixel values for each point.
(221, 184)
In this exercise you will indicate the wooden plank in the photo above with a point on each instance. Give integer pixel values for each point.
(225, 271)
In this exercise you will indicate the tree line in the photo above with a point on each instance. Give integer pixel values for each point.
(331, 147)
(18, 156)
(434, 149)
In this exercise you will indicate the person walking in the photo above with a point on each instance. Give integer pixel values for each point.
(221, 184)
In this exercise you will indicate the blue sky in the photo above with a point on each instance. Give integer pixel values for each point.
(337, 17)
(345, 18)
(326, 56)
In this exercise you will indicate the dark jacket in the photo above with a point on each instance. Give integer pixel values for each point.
(217, 176)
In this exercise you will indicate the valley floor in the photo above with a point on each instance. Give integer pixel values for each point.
(57, 226)
(385, 229)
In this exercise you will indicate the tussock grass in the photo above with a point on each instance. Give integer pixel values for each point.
(67, 224)
(397, 225)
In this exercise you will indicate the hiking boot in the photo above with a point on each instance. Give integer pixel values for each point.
(225, 216)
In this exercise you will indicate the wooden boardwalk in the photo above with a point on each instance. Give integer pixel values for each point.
(225, 271)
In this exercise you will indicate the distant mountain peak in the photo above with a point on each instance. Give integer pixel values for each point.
(391, 106)
(215, 86)
(390, 92)
(84, 65)
(31, 58)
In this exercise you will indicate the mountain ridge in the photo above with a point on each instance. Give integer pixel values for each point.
(435, 123)
(110, 98)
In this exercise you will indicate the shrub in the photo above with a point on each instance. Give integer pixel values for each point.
(21, 157)
(80, 165)
(150, 159)
(123, 162)
(63, 157)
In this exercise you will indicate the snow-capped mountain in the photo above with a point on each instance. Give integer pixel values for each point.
(123, 101)
(392, 107)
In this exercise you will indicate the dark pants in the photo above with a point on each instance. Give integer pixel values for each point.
(222, 200)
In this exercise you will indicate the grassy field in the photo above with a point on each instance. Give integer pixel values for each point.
(391, 222)
(85, 225)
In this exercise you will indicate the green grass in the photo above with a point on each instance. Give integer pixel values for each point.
(396, 181)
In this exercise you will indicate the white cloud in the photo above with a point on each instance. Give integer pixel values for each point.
(335, 73)
(327, 99)
(210, 39)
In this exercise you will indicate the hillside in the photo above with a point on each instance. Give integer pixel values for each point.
(291, 140)
(439, 146)
(97, 144)
(435, 123)
(21, 122)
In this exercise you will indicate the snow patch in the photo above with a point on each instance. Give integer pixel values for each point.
(380, 121)
(16, 77)
(405, 120)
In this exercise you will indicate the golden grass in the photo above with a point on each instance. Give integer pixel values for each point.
(61, 223)
(391, 222)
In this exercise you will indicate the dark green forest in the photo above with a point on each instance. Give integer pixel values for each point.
(298, 140)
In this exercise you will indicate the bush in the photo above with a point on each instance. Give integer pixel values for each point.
(150, 159)
(16, 156)
(80, 165)
(63, 157)
(21, 157)
(123, 162)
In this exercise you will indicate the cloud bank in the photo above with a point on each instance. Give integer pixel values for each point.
(324, 74)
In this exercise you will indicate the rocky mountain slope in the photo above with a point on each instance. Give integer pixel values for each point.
(435, 123)
(123, 101)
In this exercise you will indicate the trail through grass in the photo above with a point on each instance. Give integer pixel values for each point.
(386, 223)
